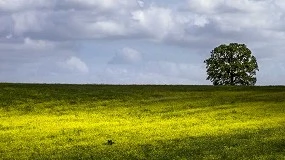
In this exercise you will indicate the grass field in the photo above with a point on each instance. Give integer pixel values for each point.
(41, 121)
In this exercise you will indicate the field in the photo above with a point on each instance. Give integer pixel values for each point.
(43, 121)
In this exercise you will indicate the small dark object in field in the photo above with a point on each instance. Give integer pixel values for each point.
(110, 142)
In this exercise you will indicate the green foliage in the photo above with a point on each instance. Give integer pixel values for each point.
(231, 64)
(41, 121)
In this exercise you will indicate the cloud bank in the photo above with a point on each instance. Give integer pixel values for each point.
(45, 40)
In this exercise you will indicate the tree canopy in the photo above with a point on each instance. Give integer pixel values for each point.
(231, 64)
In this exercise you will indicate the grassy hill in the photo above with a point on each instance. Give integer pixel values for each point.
(44, 121)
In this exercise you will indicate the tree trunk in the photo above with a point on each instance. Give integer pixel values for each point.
(232, 78)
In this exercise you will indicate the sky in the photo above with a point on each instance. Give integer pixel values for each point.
(135, 41)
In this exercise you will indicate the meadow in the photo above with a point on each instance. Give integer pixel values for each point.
(56, 121)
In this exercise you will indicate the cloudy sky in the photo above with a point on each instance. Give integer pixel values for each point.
(135, 41)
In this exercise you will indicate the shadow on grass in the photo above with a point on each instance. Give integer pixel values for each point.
(262, 144)
(238, 146)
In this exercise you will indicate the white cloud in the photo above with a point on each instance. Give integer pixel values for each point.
(101, 5)
(9, 36)
(22, 5)
(224, 6)
(18, 5)
(204, 6)
(76, 64)
(140, 3)
(127, 56)
(28, 46)
(30, 21)
(155, 21)
(241, 14)
(200, 21)
(61, 20)
(38, 44)
(106, 28)
(86, 19)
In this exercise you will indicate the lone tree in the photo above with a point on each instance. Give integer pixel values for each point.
(231, 64)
